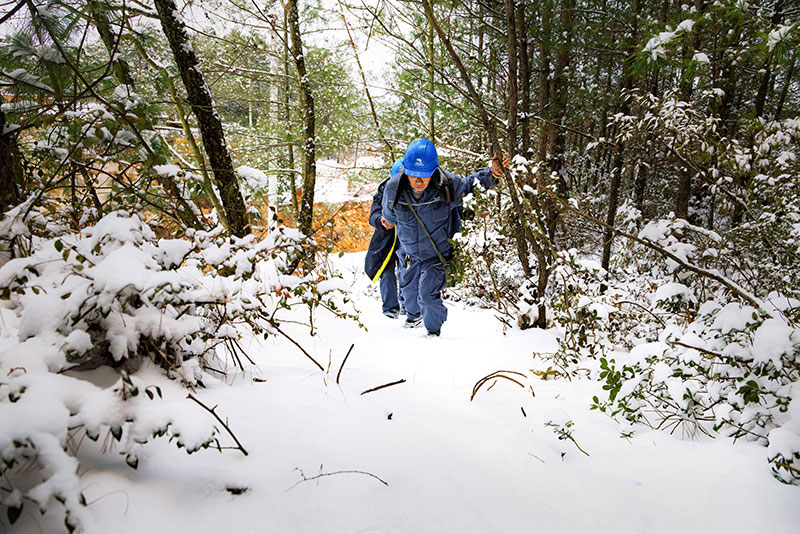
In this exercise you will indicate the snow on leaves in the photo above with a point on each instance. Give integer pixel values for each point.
(115, 295)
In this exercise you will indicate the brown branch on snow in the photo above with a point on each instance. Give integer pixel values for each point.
(212, 412)
(343, 362)
(384, 386)
(274, 325)
(496, 374)
(579, 447)
(348, 472)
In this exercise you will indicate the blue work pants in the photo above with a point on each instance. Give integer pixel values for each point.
(388, 284)
(421, 283)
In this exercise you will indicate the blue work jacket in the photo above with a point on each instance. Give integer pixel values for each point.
(440, 216)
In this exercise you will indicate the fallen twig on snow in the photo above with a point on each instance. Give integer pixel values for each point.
(496, 374)
(343, 362)
(349, 472)
(384, 386)
(296, 344)
(576, 444)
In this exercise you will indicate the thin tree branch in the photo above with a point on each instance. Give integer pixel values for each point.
(212, 412)
(343, 362)
(384, 386)
(351, 472)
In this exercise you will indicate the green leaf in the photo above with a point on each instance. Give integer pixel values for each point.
(116, 431)
(13, 514)
(59, 245)
(132, 460)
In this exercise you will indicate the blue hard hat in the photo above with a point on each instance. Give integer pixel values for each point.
(397, 167)
(421, 158)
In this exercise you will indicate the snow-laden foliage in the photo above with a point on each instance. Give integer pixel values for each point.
(487, 244)
(115, 295)
(694, 327)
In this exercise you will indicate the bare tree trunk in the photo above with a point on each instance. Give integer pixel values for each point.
(431, 97)
(306, 212)
(511, 25)
(511, 132)
(288, 115)
(207, 118)
(545, 31)
(560, 96)
(616, 172)
(684, 193)
(763, 89)
(525, 79)
(639, 187)
(786, 83)
(10, 166)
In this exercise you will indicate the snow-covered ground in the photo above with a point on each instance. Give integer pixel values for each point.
(420, 456)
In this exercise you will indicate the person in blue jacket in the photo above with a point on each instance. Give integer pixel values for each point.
(381, 259)
(436, 195)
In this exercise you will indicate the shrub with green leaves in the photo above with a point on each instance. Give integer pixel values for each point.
(114, 295)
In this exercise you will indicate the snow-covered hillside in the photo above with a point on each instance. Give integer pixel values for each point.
(419, 456)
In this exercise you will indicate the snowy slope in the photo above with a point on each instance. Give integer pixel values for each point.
(449, 464)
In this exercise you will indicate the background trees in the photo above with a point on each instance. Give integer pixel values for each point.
(610, 104)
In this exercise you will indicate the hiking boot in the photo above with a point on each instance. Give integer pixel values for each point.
(412, 323)
(430, 335)
(392, 314)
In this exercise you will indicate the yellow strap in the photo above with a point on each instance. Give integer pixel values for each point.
(388, 257)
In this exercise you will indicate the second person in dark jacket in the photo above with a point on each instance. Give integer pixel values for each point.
(380, 262)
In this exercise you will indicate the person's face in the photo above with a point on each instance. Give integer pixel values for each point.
(419, 183)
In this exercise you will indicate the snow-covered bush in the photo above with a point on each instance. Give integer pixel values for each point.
(579, 309)
(730, 371)
(488, 246)
(784, 445)
(115, 295)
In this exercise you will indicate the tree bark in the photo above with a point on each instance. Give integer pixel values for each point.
(306, 211)
(764, 86)
(207, 119)
(511, 26)
(10, 167)
(618, 161)
(545, 30)
(287, 115)
(431, 94)
(559, 96)
(525, 79)
(786, 83)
